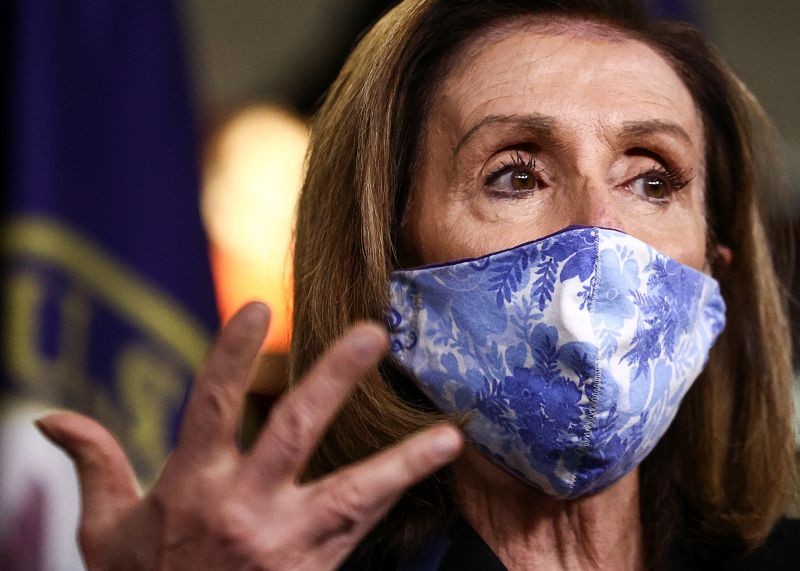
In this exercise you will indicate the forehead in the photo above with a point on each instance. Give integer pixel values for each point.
(584, 74)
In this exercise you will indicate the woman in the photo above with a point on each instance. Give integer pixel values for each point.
(458, 129)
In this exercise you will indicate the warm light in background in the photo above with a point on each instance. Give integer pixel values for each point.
(252, 178)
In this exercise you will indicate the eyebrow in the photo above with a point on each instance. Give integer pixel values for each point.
(632, 130)
(542, 127)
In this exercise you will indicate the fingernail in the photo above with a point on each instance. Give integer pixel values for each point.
(256, 314)
(47, 431)
(447, 442)
(367, 346)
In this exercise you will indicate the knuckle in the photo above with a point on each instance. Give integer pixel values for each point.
(414, 463)
(220, 367)
(97, 456)
(224, 527)
(215, 402)
(240, 534)
(227, 356)
(347, 501)
(291, 428)
(232, 531)
(216, 405)
(232, 526)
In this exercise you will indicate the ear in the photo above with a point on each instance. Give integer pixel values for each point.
(723, 256)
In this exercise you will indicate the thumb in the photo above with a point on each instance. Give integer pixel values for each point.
(107, 481)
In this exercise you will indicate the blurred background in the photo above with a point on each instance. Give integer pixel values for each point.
(152, 160)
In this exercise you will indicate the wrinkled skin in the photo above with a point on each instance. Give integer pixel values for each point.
(584, 116)
(214, 507)
(539, 125)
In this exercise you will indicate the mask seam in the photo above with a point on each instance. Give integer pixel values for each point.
(597, 382)
(436, 266)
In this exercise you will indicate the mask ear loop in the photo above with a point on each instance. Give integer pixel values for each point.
(406, 209)
(404, 256)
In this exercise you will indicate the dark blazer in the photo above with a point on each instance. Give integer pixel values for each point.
(462, 549)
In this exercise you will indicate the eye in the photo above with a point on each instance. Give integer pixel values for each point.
(516, 176)
(523, 180)
(652, 186)
(658, 184)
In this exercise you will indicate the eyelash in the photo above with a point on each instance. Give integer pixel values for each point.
(676, 178)
(516, 162)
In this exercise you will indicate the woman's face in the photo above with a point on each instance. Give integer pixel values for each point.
(533, 130)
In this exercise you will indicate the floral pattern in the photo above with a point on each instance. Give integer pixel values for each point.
(571, 352)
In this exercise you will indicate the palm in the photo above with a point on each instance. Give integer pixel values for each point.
(213, 506)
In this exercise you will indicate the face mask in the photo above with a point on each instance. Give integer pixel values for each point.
(568, 355)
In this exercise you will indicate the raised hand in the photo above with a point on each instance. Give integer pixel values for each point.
(214, 507)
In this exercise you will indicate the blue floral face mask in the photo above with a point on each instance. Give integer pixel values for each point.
(569, 355)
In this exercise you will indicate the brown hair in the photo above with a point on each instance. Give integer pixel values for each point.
(722, 474)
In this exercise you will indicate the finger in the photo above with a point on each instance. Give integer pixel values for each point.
(298, 420)
(107, 481)
(352, 500)
(212, 413)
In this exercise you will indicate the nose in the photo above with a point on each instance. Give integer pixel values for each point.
(592, 205)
